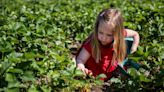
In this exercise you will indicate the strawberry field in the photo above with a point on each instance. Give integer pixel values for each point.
(38, 37)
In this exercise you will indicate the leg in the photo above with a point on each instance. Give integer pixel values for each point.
(129, 62)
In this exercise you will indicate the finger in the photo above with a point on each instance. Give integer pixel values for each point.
(90, 72)
(86, 71)
(83, 70)
(132, 52)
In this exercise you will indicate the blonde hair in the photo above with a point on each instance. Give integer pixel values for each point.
(114, 19)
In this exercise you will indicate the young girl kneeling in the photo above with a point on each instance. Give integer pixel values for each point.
(105, 48)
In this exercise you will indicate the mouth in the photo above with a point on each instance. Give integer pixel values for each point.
(103, 43)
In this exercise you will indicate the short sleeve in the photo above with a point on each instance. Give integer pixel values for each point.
(87, 46)
(125, 33)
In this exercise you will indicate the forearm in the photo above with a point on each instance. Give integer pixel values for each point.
(81, 60)
(136, 40)
(80, 64)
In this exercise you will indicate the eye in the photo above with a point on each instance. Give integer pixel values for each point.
(110, 35)
(100, 32)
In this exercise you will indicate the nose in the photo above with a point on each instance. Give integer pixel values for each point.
(103, 38)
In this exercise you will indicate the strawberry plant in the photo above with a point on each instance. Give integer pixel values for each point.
(36, 35)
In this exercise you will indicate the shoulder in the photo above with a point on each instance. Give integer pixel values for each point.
(130, 32)
(87, 45)
(125, 32)
(87, 42)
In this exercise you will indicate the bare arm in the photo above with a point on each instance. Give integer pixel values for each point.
(135, 35)
(81, 60)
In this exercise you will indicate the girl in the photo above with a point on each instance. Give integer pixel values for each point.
(105, 48)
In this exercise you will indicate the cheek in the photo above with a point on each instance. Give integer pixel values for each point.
(99, 37)
(110, 39)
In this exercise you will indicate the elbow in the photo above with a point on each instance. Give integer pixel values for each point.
(136, 36)
(136, 39)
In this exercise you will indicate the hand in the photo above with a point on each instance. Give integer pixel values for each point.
(84, 70)
(133, 49)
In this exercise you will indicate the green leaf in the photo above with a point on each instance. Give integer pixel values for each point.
(55, 74)
(2, 89)
(78, 73)
(101, 76)
(15, 57)
(28, 76)
(15, 71)
(15, 84)
(4, 67)
(98, 82)
(17, 25)
(115, 80)
(162, 54)
(144, 79)
(29, 55)
(37, 67)
(136, 59)
(133, 72)
(12, 90)
(33, 88)
(0, 66)
(10, 77)
(46, 88)
(140, 50)
(23, 65)
(65, 73)
(44, 47)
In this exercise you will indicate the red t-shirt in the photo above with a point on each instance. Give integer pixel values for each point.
(104, 66)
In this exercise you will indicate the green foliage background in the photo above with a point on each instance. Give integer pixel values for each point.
(35, 36)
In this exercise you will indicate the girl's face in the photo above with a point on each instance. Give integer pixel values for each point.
(105, 35)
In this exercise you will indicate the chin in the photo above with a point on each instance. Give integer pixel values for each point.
(106, 44)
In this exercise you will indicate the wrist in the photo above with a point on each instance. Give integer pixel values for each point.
(80, 66)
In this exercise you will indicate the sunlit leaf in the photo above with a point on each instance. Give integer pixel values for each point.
(12, 90)
(144, 79)
(33, 88)
(101, 76)
(28, 76)
(15, 71)
(115, 80)
(10, 77)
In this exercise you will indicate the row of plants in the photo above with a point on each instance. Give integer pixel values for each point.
(36, 35)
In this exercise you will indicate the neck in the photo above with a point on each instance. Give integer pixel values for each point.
(108, 45)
